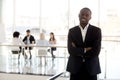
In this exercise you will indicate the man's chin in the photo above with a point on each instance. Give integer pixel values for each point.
(83, 22)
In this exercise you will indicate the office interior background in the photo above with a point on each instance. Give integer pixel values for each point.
(58, 16)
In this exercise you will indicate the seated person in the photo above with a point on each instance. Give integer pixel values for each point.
(29, 39)
(42, 41)
(42, 51)
(52, 41)
(16, 41)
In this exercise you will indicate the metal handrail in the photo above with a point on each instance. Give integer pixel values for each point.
(56, 76)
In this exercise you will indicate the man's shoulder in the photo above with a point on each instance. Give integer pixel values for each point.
(32, 36)
(74, 28)
(94, 27)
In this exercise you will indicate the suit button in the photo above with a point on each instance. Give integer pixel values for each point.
(83, 60)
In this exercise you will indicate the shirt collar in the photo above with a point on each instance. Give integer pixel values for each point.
(86, 27)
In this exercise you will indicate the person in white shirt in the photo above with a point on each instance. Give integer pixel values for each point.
(16, 41)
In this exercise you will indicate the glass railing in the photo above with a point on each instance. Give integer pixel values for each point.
(109, 61)
(60, 76)
(47, 66)
(41, 63)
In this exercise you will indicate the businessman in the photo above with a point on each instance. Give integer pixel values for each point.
(84, 44)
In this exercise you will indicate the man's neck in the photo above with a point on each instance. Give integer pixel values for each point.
(83, 25)
(28, 35)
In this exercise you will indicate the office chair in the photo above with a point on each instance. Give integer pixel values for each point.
(42, 53)
(15, 54)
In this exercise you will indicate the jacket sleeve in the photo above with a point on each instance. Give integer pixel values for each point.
(96, 46)
(32, 39)
(25, 38)
(73, 51)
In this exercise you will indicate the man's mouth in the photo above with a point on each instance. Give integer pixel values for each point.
(83, 19)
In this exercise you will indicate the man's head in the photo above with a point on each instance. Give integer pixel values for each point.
(28, 32)
(84, 16)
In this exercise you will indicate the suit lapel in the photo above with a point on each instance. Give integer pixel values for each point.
(79, 35)
(88, 33)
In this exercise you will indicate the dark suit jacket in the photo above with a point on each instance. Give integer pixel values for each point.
(77, 54)
(31, 39)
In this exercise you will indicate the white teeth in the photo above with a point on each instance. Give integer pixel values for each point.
(83, 19)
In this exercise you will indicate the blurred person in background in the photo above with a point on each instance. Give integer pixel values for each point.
(52, 41)
(29, 39)
(42, 51)
(17, 41)
(42, 41)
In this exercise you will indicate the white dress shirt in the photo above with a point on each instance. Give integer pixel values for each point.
(83, 31)
(28, 39)
(16, 41)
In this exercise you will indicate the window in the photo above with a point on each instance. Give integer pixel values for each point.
(59, 15)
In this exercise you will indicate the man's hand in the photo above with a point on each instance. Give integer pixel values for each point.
(88, 48)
